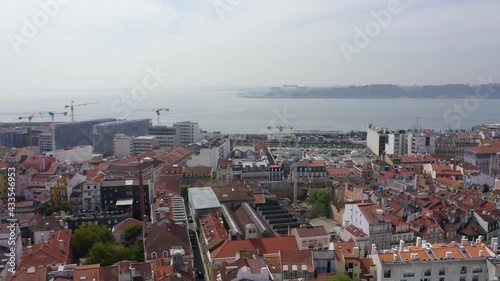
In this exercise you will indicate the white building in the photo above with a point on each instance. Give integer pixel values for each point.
(370, 218)
(397, 143)
(75, 154)
(145, 143)
(190, 132)
(420, 143)
(167, 136)
(208, 153)
(123, 145)
(463, 261)
(376, 139)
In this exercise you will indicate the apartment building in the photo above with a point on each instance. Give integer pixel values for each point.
(167, 136)
(189, 132)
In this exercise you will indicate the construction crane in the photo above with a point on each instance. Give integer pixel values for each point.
(280, 128)
(53, 135)
(158, 110)
(74, 105)
(29, 126)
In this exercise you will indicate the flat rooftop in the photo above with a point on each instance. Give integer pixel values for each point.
(203, 198)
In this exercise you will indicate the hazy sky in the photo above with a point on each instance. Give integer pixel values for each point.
(108, 44)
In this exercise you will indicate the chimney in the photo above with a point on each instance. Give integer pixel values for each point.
(355, 251)
(29, 241)
(464, 241)
(141, 195)
(480, 253)
(494, 241)
(42, 237)
(448, 255)
(395, 257)
(494, 247)
(418, 244)
(480, 238)
(401, 246)
(61, 245)
(374, 249)
(30, 250)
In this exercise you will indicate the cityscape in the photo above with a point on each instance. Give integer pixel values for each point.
(235, 140)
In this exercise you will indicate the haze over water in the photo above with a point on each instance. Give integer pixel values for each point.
(226, 112)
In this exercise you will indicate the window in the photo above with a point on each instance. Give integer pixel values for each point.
(462, 278)
(409, 273)
(442, 271)
(165, 254)
(427, 272)
(441, 279)
(154, 255)
(475, 278)
(477, 270)
(387, 273)
(463, 270)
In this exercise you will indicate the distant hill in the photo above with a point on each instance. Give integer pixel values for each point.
(384, 91)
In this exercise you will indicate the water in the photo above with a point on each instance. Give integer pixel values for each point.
(226, 112)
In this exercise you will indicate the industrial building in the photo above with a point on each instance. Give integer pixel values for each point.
(73, 134)
(202, 200)
(104, 133)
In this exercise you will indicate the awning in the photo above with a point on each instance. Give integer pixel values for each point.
(124, 202)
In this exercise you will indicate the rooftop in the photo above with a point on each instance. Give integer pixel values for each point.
(203, 198)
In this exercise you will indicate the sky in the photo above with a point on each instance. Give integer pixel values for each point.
(101, 44)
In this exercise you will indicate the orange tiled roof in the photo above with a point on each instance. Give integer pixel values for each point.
(269, 245)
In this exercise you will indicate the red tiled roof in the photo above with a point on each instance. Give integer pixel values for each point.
(269, 245)
(337, 171)
(50, 252)
(312, 163)
(86, 272)
(121, 226)
(304, 232)
(354, 231)
(297, 258)
(213, 230)
(485, 149)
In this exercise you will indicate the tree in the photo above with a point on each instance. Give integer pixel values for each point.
(320, 199)
(66, 207)
(137, 252)
(100, 253)
(339, 277)
(85, 236)
(108, 254)
(132, 232)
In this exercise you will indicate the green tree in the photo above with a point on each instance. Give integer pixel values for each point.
(320, 199)
(66, 207)
(137, 251)
(132, 232)
(339, 277)
(85, 236)
(100, 253)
